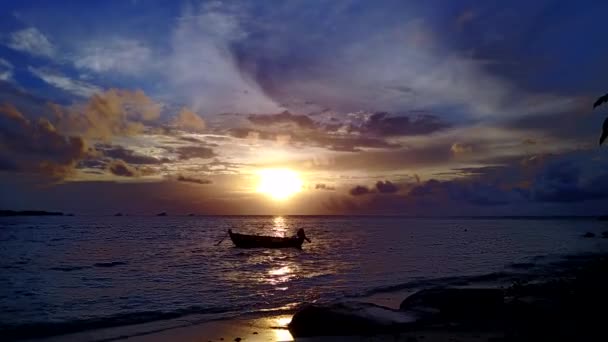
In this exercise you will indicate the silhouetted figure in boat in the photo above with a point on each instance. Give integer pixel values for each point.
(601, 100)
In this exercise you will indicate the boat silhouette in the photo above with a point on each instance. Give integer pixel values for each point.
(260, 241)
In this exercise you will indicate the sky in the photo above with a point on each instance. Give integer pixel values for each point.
(379, 107)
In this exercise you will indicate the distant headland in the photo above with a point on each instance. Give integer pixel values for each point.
(4, 213)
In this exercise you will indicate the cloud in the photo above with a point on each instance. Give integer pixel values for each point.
(36, 146)
(458, 148)
(187, 120)
(283, 118)
(386, 187)
(129, 156)
(381, 124)
(120, 55)
(393, 66)
(76, 87)
(119, 167)
(6, 70)
(360, 190)
(322, 186)
(111, 113)
(381, 187)
(31, 41)
(299, 129)
(202, 69)
(53, 140)
(567, 181)
(191, 152)
(189, 179)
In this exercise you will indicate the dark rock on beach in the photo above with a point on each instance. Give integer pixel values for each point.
(567, 305)
(350, 318)
(457, 304)
(588, 235)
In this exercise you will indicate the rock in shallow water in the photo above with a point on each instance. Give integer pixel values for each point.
(456, 303)
(350, 318)
(437, 307)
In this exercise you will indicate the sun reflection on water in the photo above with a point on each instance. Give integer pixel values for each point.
(279, 225)
(280, 275)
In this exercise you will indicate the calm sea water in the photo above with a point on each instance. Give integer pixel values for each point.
(64, 269)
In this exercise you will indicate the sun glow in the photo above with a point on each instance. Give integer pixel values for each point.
(279, 184)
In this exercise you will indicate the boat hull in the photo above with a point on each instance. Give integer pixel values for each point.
(256, 241)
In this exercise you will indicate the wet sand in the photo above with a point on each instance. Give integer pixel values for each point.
(252, 328)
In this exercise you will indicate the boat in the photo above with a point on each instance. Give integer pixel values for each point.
(260, 241)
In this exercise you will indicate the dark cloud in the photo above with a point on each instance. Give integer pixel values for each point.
(190, 179)
(565, 181)
(386, 187)
(360, 190)
(474, 192)
(381, 187)
(382, 124)
(434, 154)
(129, 156)
(337, 135)
(284, 118)
(36, 145)
(322, 186)
(119, 167)
(191, 152)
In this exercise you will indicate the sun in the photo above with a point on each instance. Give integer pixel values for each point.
(279, 184)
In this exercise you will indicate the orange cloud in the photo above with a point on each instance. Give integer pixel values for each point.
(189, 121)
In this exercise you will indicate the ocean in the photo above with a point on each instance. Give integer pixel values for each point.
(96, 271)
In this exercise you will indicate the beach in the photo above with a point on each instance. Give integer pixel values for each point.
(556, 295)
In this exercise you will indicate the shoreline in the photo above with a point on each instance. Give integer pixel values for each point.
(272, 325)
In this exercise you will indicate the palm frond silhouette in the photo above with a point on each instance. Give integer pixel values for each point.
(601, 100)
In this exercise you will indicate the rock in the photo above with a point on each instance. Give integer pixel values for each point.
(588, 235)
(238, 339)
(162, 214)
(255, 332)
(455, 303)
(605, 235)
(347, 319)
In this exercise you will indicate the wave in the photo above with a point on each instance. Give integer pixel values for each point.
(47, 329)
(78, 268)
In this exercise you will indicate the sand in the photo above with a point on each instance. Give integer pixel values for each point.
(254, 328)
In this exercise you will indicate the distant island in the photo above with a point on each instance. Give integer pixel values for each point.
(4, 213)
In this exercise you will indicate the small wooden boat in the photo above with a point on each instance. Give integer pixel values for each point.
(259, 241)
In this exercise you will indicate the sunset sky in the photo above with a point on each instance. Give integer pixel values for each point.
(362, 107)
